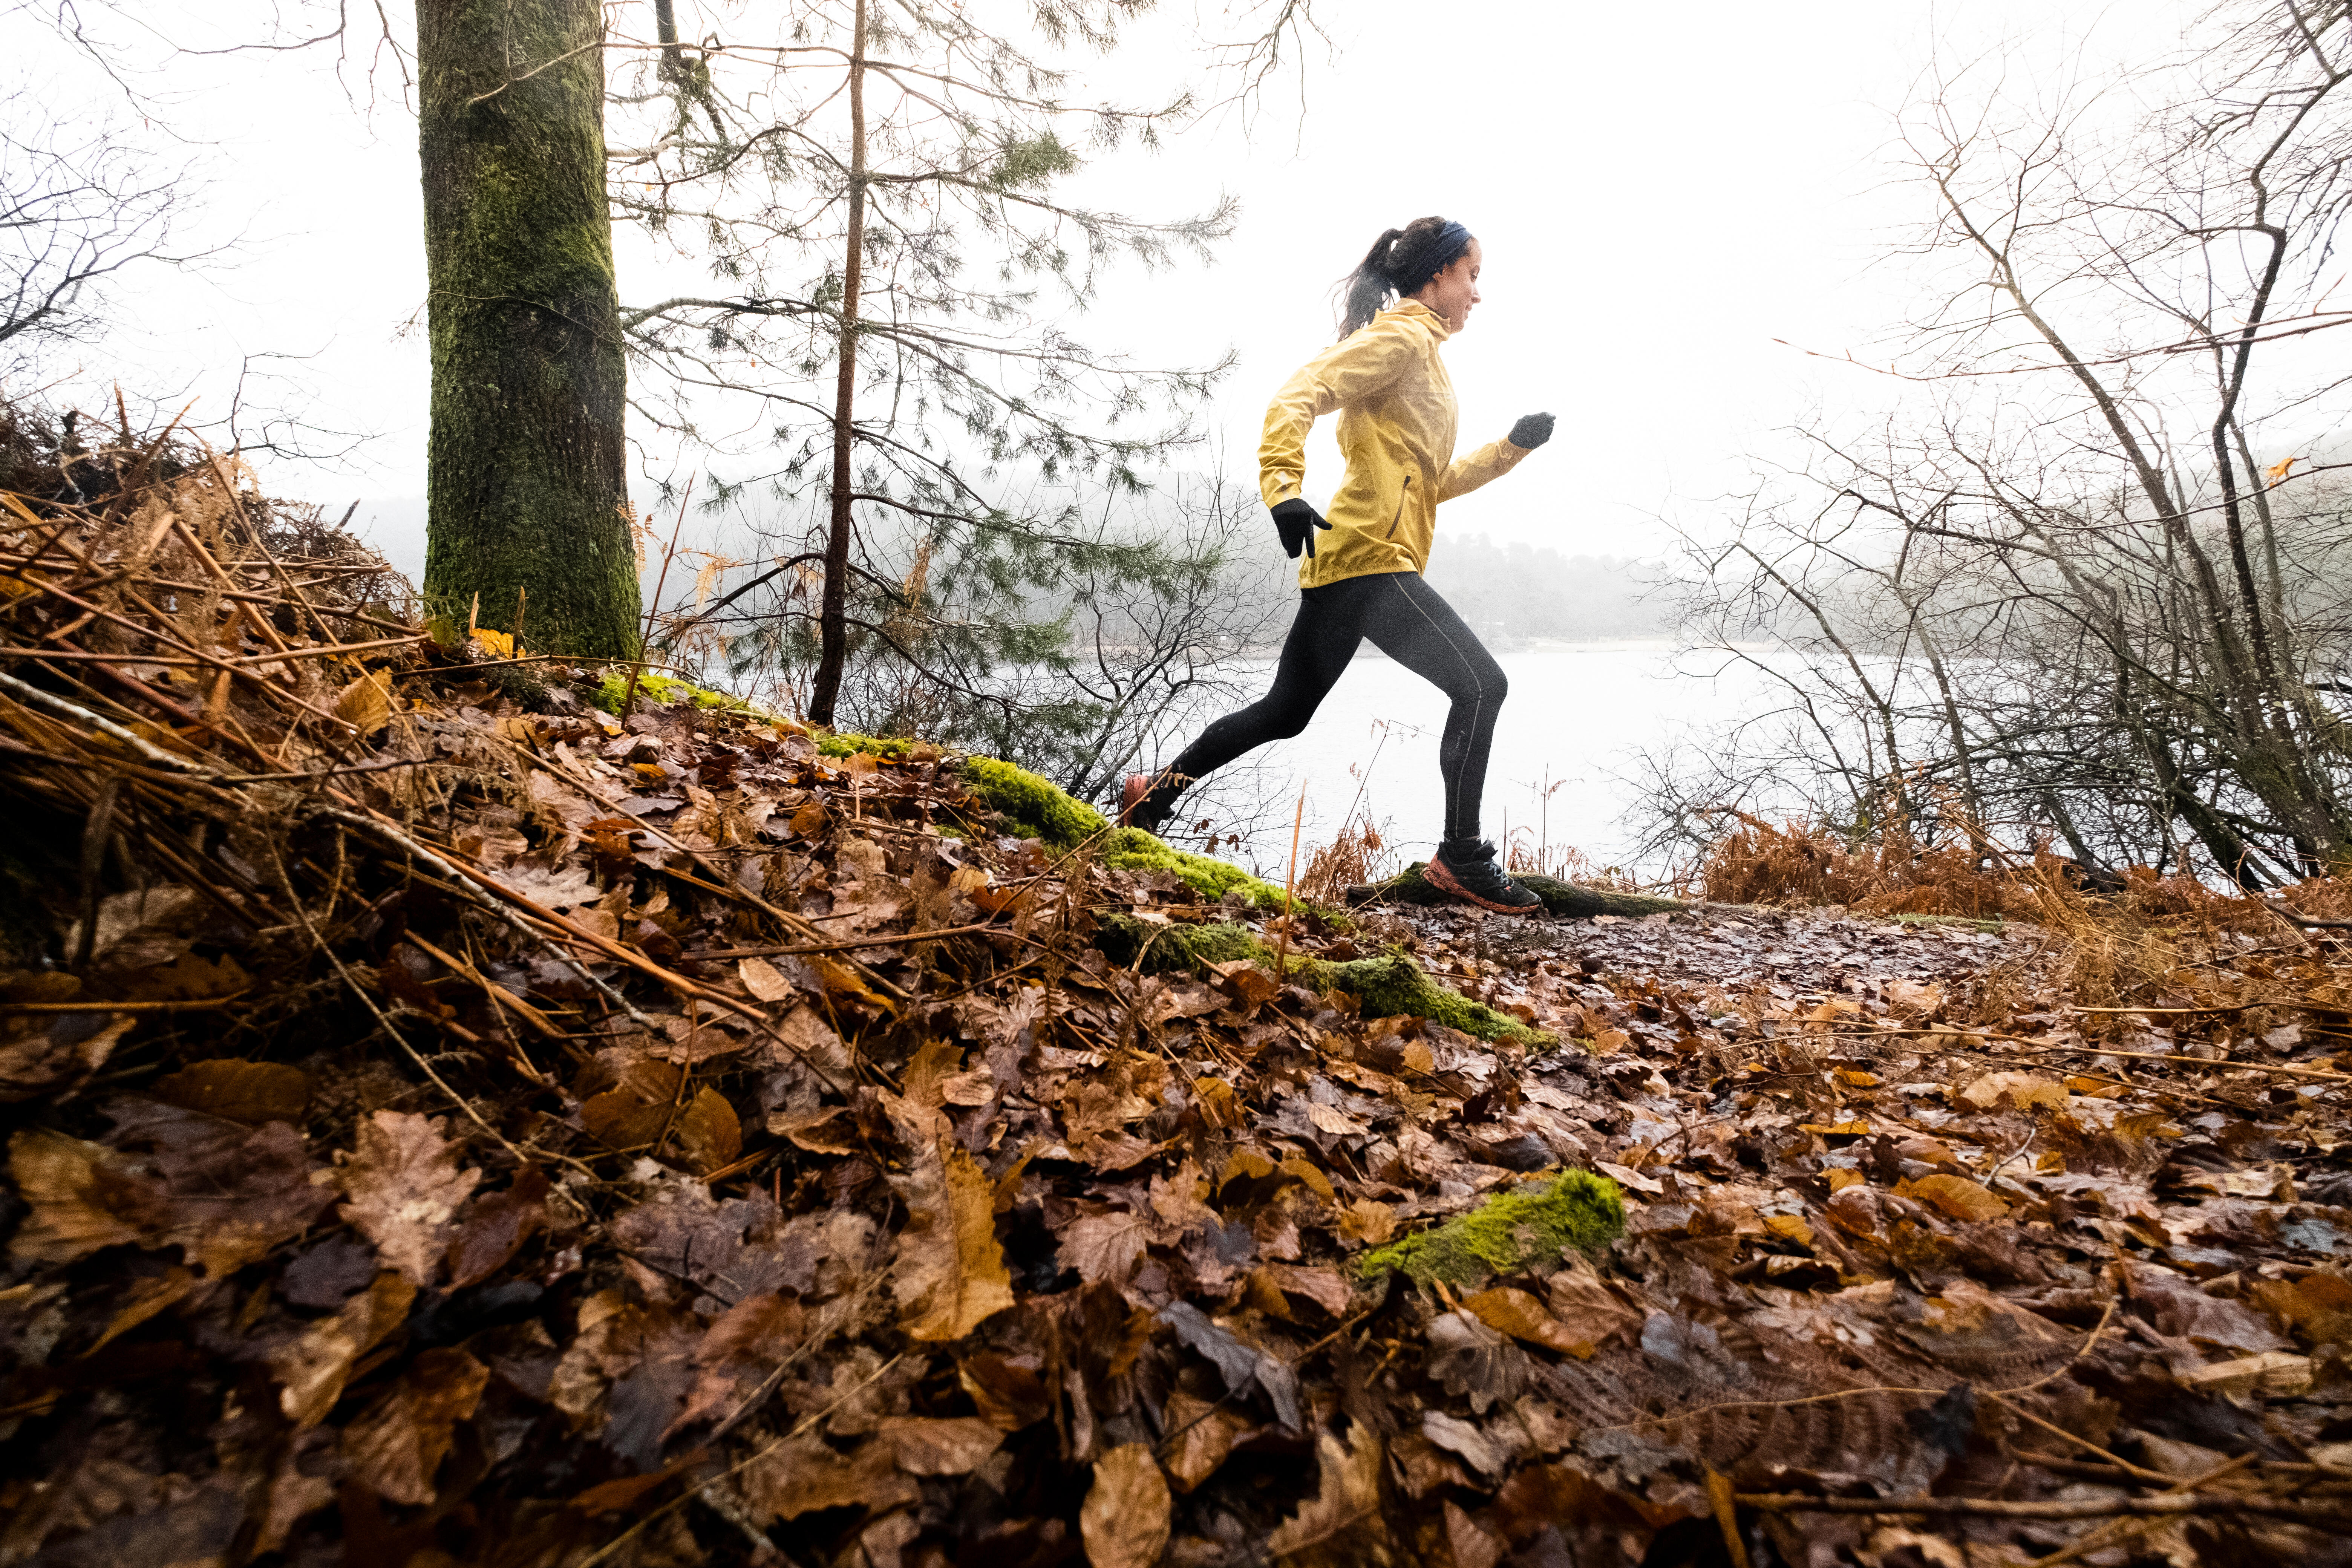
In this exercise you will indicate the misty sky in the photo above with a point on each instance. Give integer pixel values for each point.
(1661, 192)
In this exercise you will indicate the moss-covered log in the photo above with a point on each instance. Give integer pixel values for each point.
(1571, 898)
(525, 479)
(1532, 1226)
(1390, 986)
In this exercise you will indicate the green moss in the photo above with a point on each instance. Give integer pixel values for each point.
(1132, 849)
(1034, 805)
(613, 689)
(1390, 986)
(1393, 986)
(1510, 1231)
(844, 744)
(1164, 948)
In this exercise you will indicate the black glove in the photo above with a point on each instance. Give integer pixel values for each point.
(1532, 431)
(1297, 522)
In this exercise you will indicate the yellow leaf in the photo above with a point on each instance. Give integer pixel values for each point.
(1956, 1197)
(952, 1273)
(1854, 1078)
(366, 704)
(2023, 1089)
(1124, 1520)
(1792, 1227)
(1839, 1180)
(1857, 1128)
(1343, 1522)
(2278, 471)
(1521, 1316)
(497, 644)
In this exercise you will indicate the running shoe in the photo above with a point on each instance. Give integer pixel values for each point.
(1466, 868)
(1132, 797)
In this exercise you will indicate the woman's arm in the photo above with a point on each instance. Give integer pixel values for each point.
(1355, 367)
(1495, 458)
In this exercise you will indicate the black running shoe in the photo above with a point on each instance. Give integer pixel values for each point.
(1466, 868)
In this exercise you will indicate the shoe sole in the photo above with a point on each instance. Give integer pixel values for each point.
(1436, 873)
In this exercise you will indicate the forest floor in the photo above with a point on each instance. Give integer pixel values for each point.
(450, 1123)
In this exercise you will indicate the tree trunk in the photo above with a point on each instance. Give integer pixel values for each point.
(833, 612)
(526, 482)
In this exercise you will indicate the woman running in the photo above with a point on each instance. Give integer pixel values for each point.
(1396, 429)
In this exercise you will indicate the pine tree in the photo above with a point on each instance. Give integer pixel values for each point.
(879, 197)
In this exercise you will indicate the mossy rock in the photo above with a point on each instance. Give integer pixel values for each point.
(1571, 899)
(1509, 1232)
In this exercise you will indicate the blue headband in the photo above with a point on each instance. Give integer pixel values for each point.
(1451, 242)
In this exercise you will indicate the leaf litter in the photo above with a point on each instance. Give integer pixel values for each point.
(449, 1122)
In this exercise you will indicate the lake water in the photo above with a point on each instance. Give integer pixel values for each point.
(1577, 716)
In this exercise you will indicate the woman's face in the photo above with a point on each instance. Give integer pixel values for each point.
(1455, 291)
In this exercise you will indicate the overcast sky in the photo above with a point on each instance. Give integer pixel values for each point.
(1661, 192)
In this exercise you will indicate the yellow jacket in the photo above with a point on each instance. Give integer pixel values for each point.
(1396, 430)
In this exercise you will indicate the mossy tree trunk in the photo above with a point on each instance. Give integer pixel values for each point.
(526, 485)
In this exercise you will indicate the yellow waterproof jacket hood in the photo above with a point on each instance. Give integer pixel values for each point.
(1396, 430)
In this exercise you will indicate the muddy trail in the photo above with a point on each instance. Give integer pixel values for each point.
(451, 1121)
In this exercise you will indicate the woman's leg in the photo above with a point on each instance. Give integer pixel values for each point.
(1323, 639)
(1414, 626)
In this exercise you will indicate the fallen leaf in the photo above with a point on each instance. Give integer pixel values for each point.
(1958, 1197)
(2275, 1374)
(951, 1274)
(1008, 1395)
(2023, 1089)
(1521, 1316)
(1104, 1248)
(805, 1474)
(224, 1193)
(1199, 1435)
(1124, 1520)
(311, 1370)
(1368, 1221)
(403, 1184)
(366, 703)
(396, 1449)
(1342, 1523)
(765, 980)
(496, 1228)
(927, 1445)
(1456, 1436)
(246, 1091)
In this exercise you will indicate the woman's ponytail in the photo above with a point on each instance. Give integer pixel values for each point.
(1399, 262)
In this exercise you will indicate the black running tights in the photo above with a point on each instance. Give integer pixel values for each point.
(1407, 620)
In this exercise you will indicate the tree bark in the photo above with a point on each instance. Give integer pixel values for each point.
(1572, 899)
(526, 486)
(833, 611)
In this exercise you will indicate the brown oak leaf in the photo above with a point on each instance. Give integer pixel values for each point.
(404, 1185)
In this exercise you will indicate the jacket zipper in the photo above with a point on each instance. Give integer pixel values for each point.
(1403, 496)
